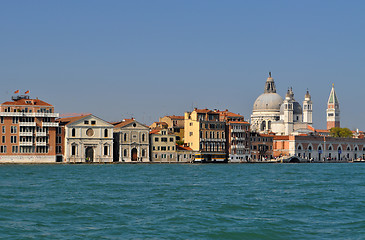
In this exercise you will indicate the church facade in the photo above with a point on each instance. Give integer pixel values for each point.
(273, 114)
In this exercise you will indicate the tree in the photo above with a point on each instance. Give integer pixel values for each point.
(341, 132)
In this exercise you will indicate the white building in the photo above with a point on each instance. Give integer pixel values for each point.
(86, 139)
(131, 140)
(283, 117)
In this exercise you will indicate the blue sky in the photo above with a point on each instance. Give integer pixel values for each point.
(145, 59)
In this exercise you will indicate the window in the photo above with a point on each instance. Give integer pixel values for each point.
(58, 140)
(58, 149)
(73, 150)
(73, 132)
(3, 139)
(13, 129)
(15, 119)
(168, 148)
(14, 149)
(59, 130)
(13, 139)
(86, 122)
(106, 133)
(143, 153)
(3, 149)
(164, 139)
(2, 120)
(156, 139)
(163, 148)
(171, 139)
(125, 152)
(173, 148)
(105, 150)
(93, 122)
(125, 137)
(3, 129)
(154, 148)
(143, 137)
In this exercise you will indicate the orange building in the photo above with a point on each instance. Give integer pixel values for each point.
(28, 131)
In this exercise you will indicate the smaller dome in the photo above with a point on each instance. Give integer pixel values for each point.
(296, 107)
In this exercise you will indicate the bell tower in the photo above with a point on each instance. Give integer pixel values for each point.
(307, 109)
(333, 110)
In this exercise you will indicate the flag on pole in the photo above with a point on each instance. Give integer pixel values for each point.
(17, 91)
(27, 92)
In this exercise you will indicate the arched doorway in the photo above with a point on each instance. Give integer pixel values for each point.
(134, 154)
(89, 154)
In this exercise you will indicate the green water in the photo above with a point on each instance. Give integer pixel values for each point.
(232, 201)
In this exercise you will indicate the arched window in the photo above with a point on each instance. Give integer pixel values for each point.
(106, 133)
(330, 148)
(348, 148)
(143, 137)
(310, 148)
(73, 132)
(125, 152)
(263, 126)
(299, 147)
(319, 148)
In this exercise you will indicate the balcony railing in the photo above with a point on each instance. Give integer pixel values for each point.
(41, 143)
(27, 114)
(25, 134)
(26, 143)
(50, 124)
(41, 134)
(27, 124)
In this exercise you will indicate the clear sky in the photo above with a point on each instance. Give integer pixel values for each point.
(145, 59)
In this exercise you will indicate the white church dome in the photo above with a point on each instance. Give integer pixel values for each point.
(268, 102)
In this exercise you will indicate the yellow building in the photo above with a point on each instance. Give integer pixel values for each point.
(205, 133)
(175, 125)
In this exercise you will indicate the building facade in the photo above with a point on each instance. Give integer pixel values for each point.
(237, 136)
(261, 147)
(85, 139)
(320, 148)
(205, 134)
(131, 141)
(175, 125)
(162, 146)
(28, 131)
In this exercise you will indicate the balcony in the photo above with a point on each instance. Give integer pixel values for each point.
(41, 134)
(50, 124)
(41, 143)
(25, 143)
(28, 114)
(25, 134)
(27, 124)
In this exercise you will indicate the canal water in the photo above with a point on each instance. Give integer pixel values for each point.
(171, 201)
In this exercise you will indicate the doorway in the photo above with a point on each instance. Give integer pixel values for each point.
(134, 154)
(89, 154)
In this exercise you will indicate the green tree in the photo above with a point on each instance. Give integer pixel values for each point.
(180, 142)
(340, 132)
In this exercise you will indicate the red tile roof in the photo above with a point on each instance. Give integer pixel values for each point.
(69, 120)
(182, 147)
(176, 117)
(28, 102)
(123, 123)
